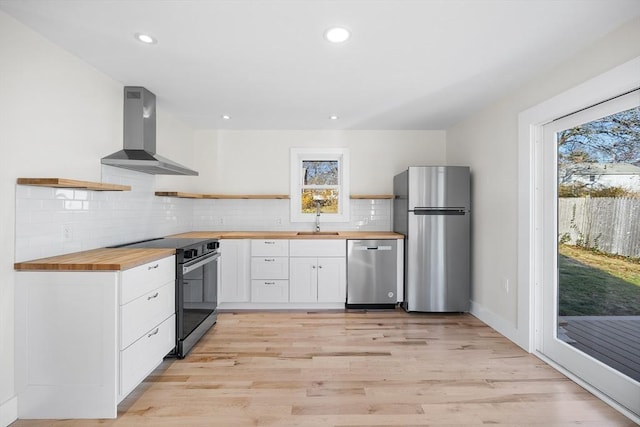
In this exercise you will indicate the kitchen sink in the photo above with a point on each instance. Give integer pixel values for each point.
(317, 233)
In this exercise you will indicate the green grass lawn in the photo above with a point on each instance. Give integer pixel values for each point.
(592, 284)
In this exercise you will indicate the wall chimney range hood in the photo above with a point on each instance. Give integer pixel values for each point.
(139, 153)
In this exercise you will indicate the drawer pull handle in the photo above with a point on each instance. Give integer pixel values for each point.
(269, 283)
(151, 267)
(153, 333)
(269, 260)
(153, 296)
(319, 266)
(269, 243)
(313, 266)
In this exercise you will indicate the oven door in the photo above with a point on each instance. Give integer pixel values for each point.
(197, 299)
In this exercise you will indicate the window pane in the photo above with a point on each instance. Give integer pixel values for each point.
(328, 200)
(320, 172)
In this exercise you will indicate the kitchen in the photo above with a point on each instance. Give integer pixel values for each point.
(60, 116)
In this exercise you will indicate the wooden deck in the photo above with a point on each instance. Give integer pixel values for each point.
(355, 368)
(614, 340)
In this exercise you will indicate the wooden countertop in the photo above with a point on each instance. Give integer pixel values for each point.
(115, 259)
(105, 259)
(289, 235)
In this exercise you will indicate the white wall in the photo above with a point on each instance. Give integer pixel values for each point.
(488, 142)
(254, 162)
(58, 117)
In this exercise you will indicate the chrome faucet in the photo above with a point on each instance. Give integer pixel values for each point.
(317, 216)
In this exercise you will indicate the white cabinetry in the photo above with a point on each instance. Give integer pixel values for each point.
(147, 320)
(235, 279)
(269, 271)
(318, 271)
(85, 339)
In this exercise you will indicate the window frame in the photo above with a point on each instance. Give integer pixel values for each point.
(299, 155)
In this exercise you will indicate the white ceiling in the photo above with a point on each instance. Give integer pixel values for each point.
(410, 64)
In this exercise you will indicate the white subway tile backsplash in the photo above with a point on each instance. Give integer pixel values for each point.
(103, 218)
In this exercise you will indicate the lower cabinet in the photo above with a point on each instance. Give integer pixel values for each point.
(86, 339)
(235, 269)
(145, 354)
(317, 279)
(269, 290)
(281, 273)
(270, 271)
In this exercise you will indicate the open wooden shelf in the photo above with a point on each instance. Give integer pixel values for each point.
(255, 196)
(220, 196)
(178, 194)
(245, 196)
(372, 196)
(72, 183)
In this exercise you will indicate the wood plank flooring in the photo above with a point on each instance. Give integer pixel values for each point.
(355, 368)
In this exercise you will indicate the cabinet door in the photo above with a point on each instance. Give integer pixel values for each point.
(303, 280)
(235, 283)
(332, 280)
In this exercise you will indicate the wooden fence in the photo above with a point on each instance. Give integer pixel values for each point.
(608, 224)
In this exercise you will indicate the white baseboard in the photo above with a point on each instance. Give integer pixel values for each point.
(499, 324)
(8, 411)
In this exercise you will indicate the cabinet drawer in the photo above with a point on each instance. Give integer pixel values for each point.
(274, 247)
(318, 248)
(140, 280)
(144, 355)
(144, 312)
(269, 291)
(269, 267)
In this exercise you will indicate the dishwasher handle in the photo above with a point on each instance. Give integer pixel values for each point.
(373, 248)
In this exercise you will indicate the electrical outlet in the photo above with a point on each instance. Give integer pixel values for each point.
(505, 284)
(278, 221)
(67, 232)
(220, 221)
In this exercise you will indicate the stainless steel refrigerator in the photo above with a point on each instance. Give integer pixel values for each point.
(432, 209)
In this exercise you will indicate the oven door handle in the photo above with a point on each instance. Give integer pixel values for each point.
(186, 268)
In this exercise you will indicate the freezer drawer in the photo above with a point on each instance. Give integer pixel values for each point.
(372, 273)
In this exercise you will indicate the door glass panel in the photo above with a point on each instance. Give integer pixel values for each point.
(598, 292)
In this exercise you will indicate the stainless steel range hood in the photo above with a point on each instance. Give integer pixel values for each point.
(139, 153)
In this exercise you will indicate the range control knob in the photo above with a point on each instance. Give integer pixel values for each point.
(213, 245)
(190, 253)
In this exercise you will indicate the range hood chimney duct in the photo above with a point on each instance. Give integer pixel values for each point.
(139, 153)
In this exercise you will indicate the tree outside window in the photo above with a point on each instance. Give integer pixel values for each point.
(319, 177)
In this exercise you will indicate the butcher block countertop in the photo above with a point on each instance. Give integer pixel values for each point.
(105, 259)
(290, 235)
(115, 259)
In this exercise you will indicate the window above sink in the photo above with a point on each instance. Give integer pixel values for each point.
(319, 175)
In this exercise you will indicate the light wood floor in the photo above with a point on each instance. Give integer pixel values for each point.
(376, 368)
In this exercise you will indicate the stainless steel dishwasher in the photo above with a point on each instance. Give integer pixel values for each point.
(372, 273)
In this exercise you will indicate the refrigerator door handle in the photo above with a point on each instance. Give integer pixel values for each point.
(439, 211)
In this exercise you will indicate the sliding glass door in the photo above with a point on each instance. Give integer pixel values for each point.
(591, 247)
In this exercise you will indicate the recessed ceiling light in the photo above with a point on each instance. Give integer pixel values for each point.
(226, 117)
(145, 38)
(334, 117)
(337, 34)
